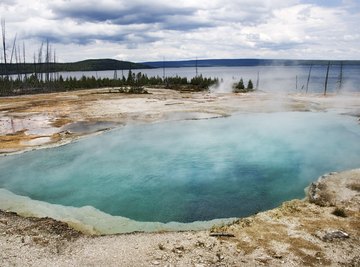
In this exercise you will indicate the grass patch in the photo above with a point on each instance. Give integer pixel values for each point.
(339, 212)
(354, 187)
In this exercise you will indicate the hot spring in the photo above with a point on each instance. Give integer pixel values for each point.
(190, 172)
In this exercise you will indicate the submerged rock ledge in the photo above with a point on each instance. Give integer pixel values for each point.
(323, 229)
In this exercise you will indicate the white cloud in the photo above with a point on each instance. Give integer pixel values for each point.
(142, 30)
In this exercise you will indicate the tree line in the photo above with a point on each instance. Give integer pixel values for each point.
(240, 87)
(133, 83)
(42, 75)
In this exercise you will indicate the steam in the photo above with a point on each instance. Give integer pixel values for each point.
(272, 79)
(225, 85)
(181, 171)
(279, 79)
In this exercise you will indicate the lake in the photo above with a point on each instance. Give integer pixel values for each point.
(271, 78)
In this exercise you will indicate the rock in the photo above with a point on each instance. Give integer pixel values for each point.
(330, 236)
(222, 234)
(276, 256)
(263, 260)
(158, 257)
(317, 192)
(200, 244)
(155, 263)
(178, 249)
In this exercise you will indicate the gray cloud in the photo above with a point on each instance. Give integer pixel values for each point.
(141, 13)
(86, 38)
(142, 30)
(279, 46)
(8, 2)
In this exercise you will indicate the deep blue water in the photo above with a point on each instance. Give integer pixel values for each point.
(189, 170)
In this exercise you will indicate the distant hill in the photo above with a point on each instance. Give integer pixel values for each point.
(243, 62)
(85, 65)
(100, 64)
(112, 64)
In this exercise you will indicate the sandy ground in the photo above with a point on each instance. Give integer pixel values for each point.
(321, 231)
(324, 230)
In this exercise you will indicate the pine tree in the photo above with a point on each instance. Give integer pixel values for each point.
(240, 85)
(130, 79)
(250, 86)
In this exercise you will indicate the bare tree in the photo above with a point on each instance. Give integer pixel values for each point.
(308, 79)
(54, 67)
(1, 61)
(13, 49)
(196, 67)
(35, 67)
(340, 81)
(21, 70)
(40, 69)
(258, 80)
(47, 60)
(326, 78)
(24, 62)
(164, 68)
(4, 45)
(17, 63)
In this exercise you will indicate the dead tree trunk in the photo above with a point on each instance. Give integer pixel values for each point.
(35, 68)
(196, 67)
(340, 82)
(55, 78)
(47, 60)
(326, 78)
(4, 46)
(13, 49)
(17, 64)
(163, 68)
(21, 71)
(24, 62)
(1, 61)
(40, 69)
(308, 79)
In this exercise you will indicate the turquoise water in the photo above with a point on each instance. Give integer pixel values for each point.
(189, 170)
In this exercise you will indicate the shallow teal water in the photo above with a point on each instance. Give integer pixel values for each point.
(189, 170)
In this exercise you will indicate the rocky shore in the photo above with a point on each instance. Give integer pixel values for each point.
(323, 229)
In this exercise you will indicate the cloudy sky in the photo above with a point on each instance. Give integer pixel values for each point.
(139, 30)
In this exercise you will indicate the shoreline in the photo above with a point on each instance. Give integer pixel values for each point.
(307, 232)
(92, 221)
